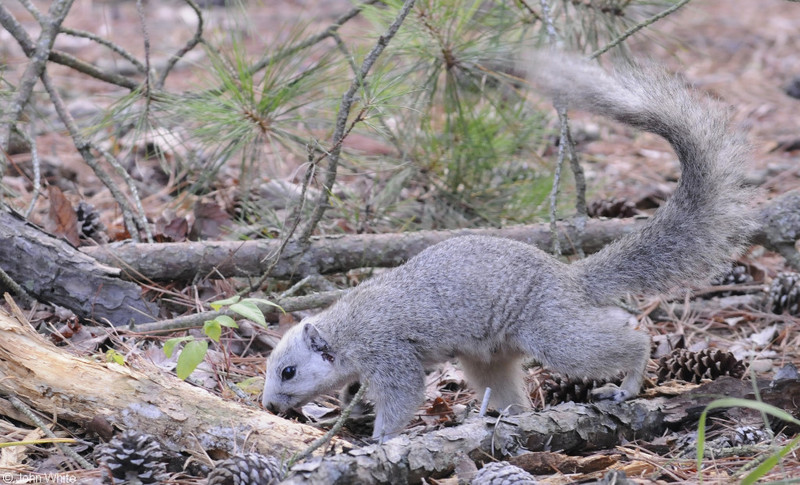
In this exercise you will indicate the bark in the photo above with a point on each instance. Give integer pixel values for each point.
(182, 416)
(325, 255)
(335, 254)
(53, 271)
(570, 427)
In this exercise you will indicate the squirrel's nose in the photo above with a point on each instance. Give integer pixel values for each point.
(271, 407)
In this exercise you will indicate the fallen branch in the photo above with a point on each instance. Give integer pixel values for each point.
(52, 271)
(325, 255)
(138, 396)
(335, 254)
(570, 427)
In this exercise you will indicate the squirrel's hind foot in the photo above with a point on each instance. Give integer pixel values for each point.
(611, 392)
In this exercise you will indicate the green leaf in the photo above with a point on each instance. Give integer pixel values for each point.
(193, 353)
(252, 385)
(249, 310)
(169, 345)
(216, 305)
(265, 302)
(226, 321)
(114, 356)
(212, 329)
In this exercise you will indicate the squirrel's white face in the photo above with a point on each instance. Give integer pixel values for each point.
(299, 368)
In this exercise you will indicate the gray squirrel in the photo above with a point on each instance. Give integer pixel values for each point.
(493, 302)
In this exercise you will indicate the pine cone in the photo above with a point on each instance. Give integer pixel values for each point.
(89, 224)
(247, 469)
(784, 294)
(613, 207)
(738, 274)
(133, 455)
(694, 366)
(558, 389)
(502, 473)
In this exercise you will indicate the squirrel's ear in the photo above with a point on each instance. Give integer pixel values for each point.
(314, 340)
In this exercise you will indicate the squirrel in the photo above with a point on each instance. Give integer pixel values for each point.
(492, 302)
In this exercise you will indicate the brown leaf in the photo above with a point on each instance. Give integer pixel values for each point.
(61, 219)
(209, 220)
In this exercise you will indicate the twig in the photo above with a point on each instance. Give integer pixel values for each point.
(636, 28)
(341, 123)
(328, 32)
(84, 148)
(28, 47)
(293, 304)
(38, 58)
(147, 69)
(37, 172)
(322, 440)
(86, 35)
(106, 43)
(190, 44)
(557, 178)
(142, 220)
(24, 409)
(552, 36)
(7, 282)
(530, 9)
(295, 217)
(581, 214)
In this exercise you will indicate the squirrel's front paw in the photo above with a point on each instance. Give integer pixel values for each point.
(610, 392)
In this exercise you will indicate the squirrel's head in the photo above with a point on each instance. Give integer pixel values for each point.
(300, 367)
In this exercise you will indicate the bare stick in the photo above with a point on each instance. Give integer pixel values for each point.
(557, 179)
(24, 409)
(26, 43)
(341, 122)
(84, 148)
(294, 218)
(190, 44)
(38, 58)
(37, 172)
(106, 43)
(87, 35)
(334, 429)
(332, 29)
(581, 215)
(293, 304)
(655, 18)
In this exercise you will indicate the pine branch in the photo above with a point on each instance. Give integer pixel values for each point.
(340, 132)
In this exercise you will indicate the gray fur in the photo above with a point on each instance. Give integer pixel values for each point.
(491, 302)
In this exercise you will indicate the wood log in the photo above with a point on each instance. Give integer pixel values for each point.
(569, 427)
(336, 254)
(138, 396)
(53, 271)
(325, 255)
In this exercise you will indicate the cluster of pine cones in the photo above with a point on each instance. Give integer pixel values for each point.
(133, 455)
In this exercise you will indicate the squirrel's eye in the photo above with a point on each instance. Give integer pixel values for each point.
(288, 372)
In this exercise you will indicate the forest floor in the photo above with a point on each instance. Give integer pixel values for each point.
(745, 53)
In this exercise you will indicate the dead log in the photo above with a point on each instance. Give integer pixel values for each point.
(53, 271)
(140, 396)
(326, 255)
(569, 427)
(336, 254)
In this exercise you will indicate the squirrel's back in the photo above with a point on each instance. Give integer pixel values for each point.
(707, 220)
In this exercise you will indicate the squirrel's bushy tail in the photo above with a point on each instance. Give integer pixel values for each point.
(709, 218)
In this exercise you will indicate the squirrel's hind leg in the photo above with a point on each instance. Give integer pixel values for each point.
(504, 375)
